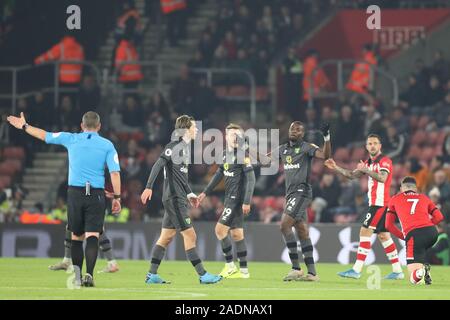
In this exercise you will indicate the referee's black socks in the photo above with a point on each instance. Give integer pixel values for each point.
(91, 253)
(77, 254)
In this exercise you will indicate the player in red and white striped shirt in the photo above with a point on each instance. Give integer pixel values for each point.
(418, 216)
(379, 169)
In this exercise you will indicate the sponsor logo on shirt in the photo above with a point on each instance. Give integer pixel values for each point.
(291, 166)
(228, 173)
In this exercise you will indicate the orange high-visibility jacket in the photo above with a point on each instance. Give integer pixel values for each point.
(169, 6)
(126, 52)
(34, 218)
(67, 49)
(320, 79)
(360, 78)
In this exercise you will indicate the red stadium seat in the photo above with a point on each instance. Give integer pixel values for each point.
(432, 138)
(413, 122)
(262, 94)
(342, 155)
(358, 154)
(441, 138)
(426, 154)
(221, 91)
(239, 92)
(414, 151)
(423, 121)
(5, 181)
(317, 168)
(14, 153)
(6, 169)
(418, 138)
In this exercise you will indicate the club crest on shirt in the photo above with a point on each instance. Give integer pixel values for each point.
(289, 159)
(226, 166)
(297, 150)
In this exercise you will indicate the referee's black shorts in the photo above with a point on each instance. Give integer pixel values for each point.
(85, 213)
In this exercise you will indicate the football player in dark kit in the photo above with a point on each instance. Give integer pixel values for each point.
(176, 194)
(297, 156)
(239, 176)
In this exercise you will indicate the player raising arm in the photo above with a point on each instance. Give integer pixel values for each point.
(418, 216)
(379, 169)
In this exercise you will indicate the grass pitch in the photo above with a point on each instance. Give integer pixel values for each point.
(29, 278)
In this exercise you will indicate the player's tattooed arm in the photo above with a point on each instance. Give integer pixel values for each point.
(379, 176)
(350, 174)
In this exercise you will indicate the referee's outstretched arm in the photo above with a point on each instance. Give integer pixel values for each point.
(21, 123)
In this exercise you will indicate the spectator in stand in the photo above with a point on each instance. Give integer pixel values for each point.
(437, 163)
(285, 30)
(400, 121)
(434, 92)
(440, 67)
(292, 70)
(348, 128)
(395, 143)
(413, 96)
(157, 128)
(259, 68)
(198, 61)
(131, 160)
(330, 117)
(441, 181)
(328, 189)
(88, 95)
(360, 80)
(230, 46)
(320, 81)
(67, 49)
(182, 92)
(441, 111)
(419, 172)
(206, 47)
(204, 101)
(158, 103)
(175, 12)
(39, 111)
(311, 122)
(133, 113)
(67, 117)
(127, 64)
(373, 122)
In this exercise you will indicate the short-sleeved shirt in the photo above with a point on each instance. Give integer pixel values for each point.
(176, 169)
(234, 175)
(413, 210)
(378, 192)
(297, 158)
(89, 154)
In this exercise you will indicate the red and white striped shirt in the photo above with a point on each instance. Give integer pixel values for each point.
(378, 192)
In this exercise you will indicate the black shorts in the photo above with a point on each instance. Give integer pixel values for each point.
(232, 215)
(176, 214)
(418, 241)
(375, 219)
(297, 204)
(85, 213)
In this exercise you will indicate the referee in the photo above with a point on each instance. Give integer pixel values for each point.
(88, 155)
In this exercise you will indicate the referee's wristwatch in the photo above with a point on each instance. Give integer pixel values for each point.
(25, 126)
(117, 197)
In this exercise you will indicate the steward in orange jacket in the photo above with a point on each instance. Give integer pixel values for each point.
(169, 6)
(126, 52)
(67, 49)
(360, 78)
(320, 80)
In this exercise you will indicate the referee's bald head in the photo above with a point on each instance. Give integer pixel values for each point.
(91, 121)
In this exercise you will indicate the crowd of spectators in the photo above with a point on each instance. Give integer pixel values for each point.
(245, 34)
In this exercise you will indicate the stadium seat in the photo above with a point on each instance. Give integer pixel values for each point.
(239, 92)
(426, 154)
(261, 94)
(432, 138)
(317, 168)
(14, 153)
(342, 155)
(418, 138)
(358, 154)
(414, 151)
(5, 181)
(423, 121)
(221, 91)
(6, 169)
(413, 122)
